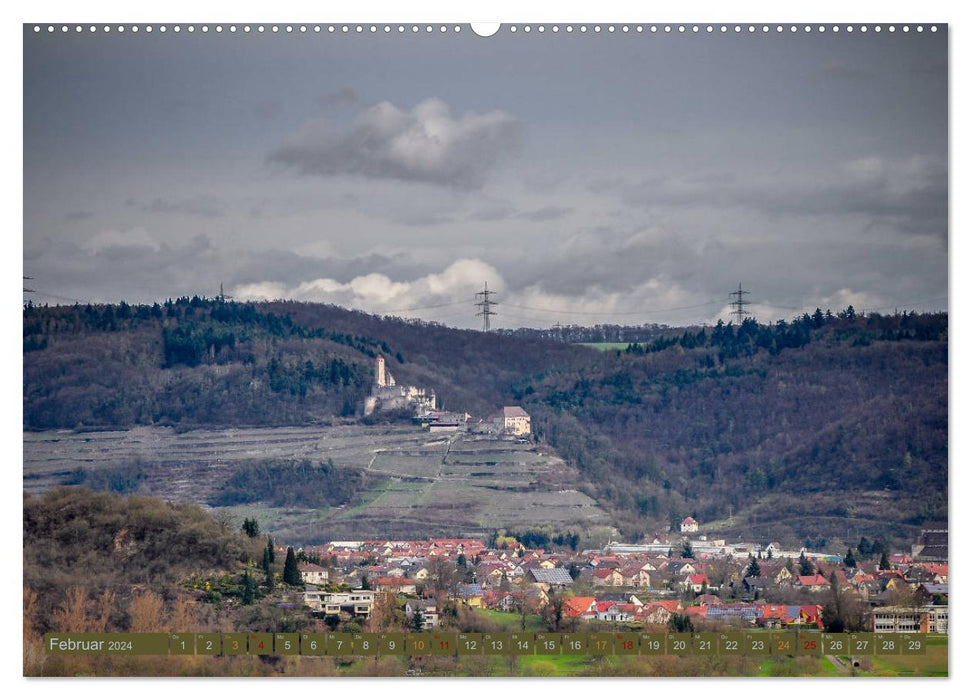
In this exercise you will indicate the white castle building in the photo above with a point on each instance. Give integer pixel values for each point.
(386, 394)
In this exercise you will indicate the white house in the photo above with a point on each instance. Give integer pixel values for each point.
(313, 574)
(689, 524)
(512, 420)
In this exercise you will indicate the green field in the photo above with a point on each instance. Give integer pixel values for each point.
(606, 346)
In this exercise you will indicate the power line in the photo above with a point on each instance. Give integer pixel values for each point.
(486, 305)
(614, 313)
(421, 308)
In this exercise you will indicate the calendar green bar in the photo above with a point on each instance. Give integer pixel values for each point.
(522, 644)
(835, 644)
(601, 644)
(313, 644)
(130, 644)
(783, 643)
(365, 644)
(731, 644)
(261, 644)
(443, 644)
(575, 643)
(886, 644)
(653, 644)
(182, 644)
(679, 644)
(912, 645)
(548, 643)
(208, 644)
(391, 644)
(469, 644)
(286, 644)
(497, 644)
(809, 644)
(234, 644)
(861, 644)
(340, 644)
(625, 643)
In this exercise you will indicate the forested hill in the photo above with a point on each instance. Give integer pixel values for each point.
(826, 423)
(198, 362)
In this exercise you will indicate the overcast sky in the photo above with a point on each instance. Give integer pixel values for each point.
(588, 178)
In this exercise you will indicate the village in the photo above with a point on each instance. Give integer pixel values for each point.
(671, 580)
(711, 584)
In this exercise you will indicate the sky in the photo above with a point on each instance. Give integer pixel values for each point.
(586, 178)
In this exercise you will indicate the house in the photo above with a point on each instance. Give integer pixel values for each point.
(471, 594)
(580, 606)
(694, 583)
(512, 420)
(395, 584)
(347, 604)
(616, 612)
(429, 612)
(813, 583)
(313, 574)
(927, 619)
(607, 577)
(655, 614)
(811, 615)
(554, 578)
(774, 616)
(689, 524)
(636, 576)
(680, 568)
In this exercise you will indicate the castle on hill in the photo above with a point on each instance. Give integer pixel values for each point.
(387, 394)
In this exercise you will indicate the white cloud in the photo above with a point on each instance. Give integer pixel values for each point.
(426, 144)
(378, 293)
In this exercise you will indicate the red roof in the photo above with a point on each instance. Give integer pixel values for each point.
(689, 521)
(814, 580)
(697, 579)
(577, 606)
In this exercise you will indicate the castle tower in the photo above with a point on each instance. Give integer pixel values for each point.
(379, 376)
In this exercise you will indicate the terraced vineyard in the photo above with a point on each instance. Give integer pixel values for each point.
(421, 484)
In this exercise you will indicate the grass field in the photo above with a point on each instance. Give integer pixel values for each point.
(606, 346)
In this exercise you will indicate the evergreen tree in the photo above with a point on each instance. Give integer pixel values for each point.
(249, 589)
(805, 566)
(266, 560)
(365, 584)
(884, 561)
(686, 551)
(753, 570)
(251, 527)
(270, 549)
(681, 623)
(417, 622)
(291, 574)
(849, 560)
(269, 581)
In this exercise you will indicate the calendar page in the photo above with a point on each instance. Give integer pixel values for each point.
(419, 349)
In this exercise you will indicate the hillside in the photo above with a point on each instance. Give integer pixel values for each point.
(811, 429)
(824, 426)
(201, 362)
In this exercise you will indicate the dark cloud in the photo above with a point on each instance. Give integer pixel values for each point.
(78, 216)
(425, 145)
(198, 205)
(909, 195)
